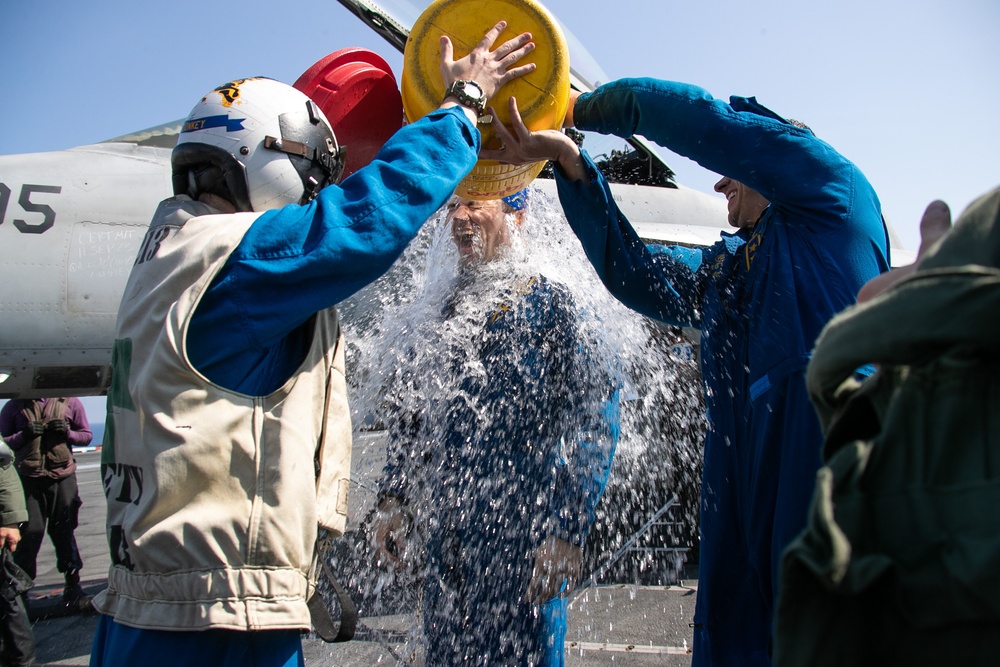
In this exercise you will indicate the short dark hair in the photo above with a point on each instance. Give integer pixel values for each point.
(799, 123)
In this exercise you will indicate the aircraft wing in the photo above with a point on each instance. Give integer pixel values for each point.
(72, 224)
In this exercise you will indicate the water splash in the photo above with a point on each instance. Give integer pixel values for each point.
(397, 339)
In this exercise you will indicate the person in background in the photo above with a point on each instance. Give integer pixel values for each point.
(502, 472)
(809, 233)
(17, 644)
(43, 432)
(229, 432)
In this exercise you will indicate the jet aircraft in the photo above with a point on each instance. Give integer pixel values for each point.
(67, 243)
(71, 222)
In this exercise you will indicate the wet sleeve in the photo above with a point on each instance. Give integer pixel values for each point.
(583, 457)
(663, 289)
(402, 475)
(582, 472)
(407, 454)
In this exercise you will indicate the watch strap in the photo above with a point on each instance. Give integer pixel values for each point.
(457, 90)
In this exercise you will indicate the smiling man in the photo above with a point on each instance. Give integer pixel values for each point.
(809, 235)
(479, 228)
(514, 424)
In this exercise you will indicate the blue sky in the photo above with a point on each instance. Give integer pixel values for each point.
(907, 89)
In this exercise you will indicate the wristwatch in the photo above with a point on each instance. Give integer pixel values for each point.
(469, 94)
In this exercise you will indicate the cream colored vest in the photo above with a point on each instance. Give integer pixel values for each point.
(214, 497)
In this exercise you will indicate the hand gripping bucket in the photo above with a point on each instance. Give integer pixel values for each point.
(542, 96)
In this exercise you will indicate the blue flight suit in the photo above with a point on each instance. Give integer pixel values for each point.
(760, 297)
(514, 453)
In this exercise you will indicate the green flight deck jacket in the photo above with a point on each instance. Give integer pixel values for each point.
(900, 560)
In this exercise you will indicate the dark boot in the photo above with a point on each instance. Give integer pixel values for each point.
(74, 596)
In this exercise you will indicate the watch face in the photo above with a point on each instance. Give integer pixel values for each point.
(472, 89)
(469, 93)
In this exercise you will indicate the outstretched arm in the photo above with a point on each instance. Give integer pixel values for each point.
(740, 138)
(298, 260)
(490, 69)
(663, 289)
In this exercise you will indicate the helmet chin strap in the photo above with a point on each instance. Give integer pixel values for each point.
(330, 162)
(328, 158)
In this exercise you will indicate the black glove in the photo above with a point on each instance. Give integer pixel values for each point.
(57, 425)
(33, 429)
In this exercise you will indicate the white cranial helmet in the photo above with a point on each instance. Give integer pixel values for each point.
(258, 143)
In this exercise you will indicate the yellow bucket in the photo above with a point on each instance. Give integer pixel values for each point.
(542, 96)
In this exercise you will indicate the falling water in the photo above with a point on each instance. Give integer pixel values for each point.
(407, 363)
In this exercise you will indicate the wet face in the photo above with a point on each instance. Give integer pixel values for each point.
(479, 228)
(745, 204)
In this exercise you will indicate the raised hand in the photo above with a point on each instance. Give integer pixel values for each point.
(390, 532)
(490, 69)
(519, 145)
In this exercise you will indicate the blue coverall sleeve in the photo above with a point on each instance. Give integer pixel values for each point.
(406, 459)
(740, 139)
(298, 260)
(663, 288)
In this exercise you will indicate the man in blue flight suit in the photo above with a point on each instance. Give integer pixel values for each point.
(503, 476)
(809, 234)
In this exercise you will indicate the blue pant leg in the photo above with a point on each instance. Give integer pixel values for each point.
(778, 473)
(554, 617)
(801, 458)
(786, 445)
(731, 617)
(117, 645)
